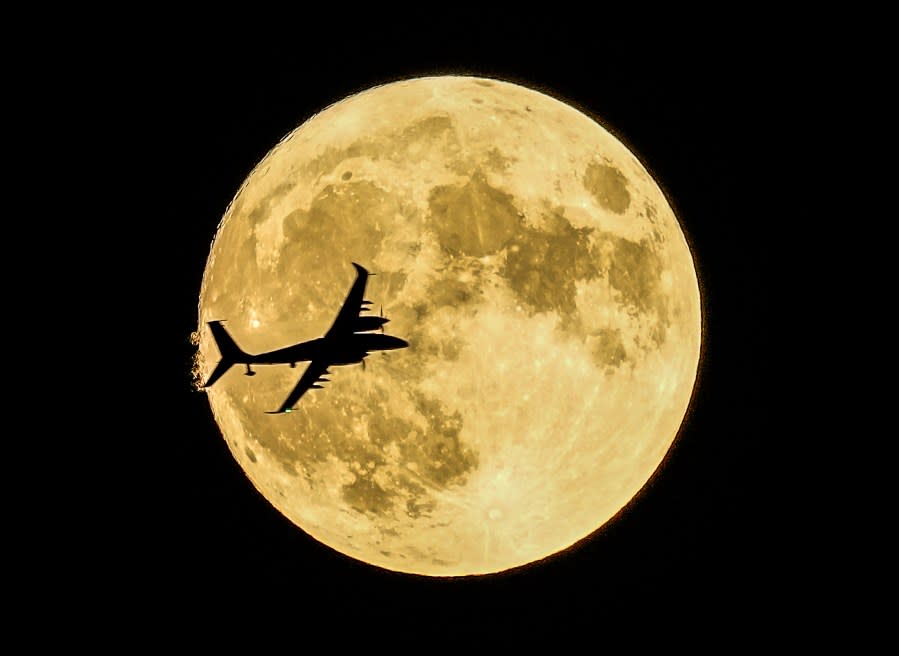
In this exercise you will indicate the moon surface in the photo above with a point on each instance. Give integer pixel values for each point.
(546, 289)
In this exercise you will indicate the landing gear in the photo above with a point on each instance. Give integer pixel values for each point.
(293, 365)
(249, 372)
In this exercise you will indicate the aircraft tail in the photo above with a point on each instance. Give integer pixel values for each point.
(230, 351)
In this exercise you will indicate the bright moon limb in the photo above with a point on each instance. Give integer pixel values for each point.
(546, 290)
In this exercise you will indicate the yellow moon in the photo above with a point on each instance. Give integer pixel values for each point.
(548, 294)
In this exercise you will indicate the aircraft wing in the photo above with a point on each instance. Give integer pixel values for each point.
(313, 375)
(352, 306)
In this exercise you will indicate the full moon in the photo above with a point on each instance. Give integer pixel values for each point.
(545, 287)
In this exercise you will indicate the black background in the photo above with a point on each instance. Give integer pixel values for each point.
(696, 542)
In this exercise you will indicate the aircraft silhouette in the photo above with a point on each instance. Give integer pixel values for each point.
(348, 341)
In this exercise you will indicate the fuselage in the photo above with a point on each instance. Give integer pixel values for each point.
(350, 349)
